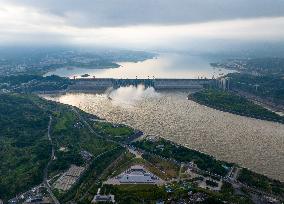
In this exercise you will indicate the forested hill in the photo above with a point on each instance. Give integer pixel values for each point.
(23, 143)
(230, 102)
(25, 148)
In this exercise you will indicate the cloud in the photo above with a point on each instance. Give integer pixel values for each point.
(109, 13)
(135, 23)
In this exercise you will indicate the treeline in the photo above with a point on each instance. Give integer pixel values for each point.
(267, 86)
(262, 182)
(24, 145)
(170, 150)
(116, 132)
(33, 83)
(135, 194)
(230, 102)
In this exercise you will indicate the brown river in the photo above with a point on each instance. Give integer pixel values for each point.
(255, 144)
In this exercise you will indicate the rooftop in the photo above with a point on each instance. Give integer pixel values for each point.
(135, 175)
(103, 198)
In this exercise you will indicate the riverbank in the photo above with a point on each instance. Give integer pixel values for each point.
(205, 164)
(228, 137)
(235, 104)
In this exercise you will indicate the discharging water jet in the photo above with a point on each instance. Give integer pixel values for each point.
(129, 95)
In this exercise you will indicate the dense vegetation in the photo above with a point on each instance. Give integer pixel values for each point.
(179, 194)
(168, 149)
(86, 188)
(33, 83)
(24, 146)
(230, 102)
(268, 86)
(136, 193)
(40, 60)
(70, 137)
(228, 193)
(116, 132)
(264, 66)
(261, 182)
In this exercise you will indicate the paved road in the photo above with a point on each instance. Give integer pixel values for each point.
(93, 131)
(133, 151)
(179, 172)
(98, 135)
(52, 156)
(233, 173)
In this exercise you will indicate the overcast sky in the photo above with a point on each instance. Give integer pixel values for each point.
(140, 23)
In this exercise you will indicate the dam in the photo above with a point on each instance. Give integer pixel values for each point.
(97, 84)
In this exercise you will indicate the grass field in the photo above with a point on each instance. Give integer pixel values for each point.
(115, 132)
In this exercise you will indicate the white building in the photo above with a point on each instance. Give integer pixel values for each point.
(103, 198)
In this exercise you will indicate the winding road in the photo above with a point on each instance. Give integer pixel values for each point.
(52, 157)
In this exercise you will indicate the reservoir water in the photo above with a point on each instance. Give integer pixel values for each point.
(164, 66)
(252, 143)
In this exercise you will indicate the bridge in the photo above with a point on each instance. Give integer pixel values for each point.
(97, 84)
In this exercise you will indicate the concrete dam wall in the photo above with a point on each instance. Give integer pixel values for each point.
(158, 84)
(91, 84)
(181, 83)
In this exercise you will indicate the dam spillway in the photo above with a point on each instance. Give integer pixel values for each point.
(96, 84)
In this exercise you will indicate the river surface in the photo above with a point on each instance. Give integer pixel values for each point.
(252, 143)
(170, 65)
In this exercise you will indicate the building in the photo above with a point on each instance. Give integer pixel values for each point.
(137, 174)
(87, 156)
(103, 198)
(35, 199)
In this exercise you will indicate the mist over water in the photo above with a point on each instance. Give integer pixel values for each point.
(127, 96)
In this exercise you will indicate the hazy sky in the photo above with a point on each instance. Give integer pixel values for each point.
(140, 23)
